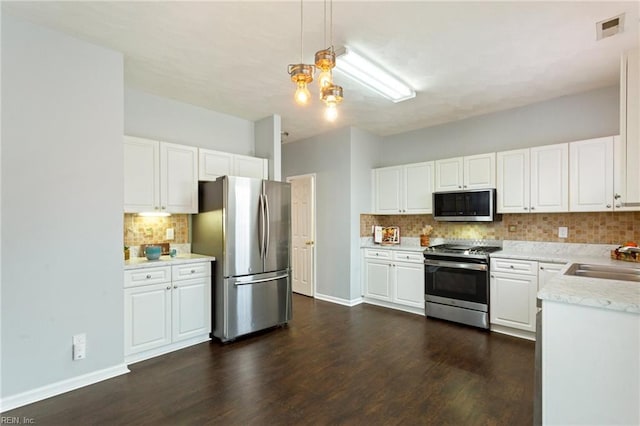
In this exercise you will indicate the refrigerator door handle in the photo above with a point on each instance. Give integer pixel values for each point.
(262, 225)
(263, 280)
(268, 226)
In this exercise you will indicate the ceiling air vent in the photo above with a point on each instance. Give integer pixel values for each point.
(610, 27)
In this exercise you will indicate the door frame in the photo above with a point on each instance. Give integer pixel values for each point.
(313, 227)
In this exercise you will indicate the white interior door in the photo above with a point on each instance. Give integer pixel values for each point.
(302, 233)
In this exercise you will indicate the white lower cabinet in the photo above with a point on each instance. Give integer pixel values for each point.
(513, 289)
(394, 279)
(546, 271)
(166, 316)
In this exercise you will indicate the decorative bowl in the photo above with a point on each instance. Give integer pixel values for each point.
(153, 252)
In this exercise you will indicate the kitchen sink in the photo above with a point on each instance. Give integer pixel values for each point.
(604, 271)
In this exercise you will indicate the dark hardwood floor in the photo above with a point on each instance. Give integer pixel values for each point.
(331, 365)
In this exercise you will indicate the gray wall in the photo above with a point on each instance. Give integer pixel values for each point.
(569, 118)
(62, 191)
(158, 118)
(269, 145)
(328, 157)
(364, 151)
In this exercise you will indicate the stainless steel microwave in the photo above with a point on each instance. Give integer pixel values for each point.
(478, 205)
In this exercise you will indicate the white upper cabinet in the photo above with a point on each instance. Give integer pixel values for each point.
(387, 190)
(449, 174)
(418, 187)
(214, 164)
(141, 175)
(159, 177)
(591, 175)
(471, 172)
(513, 181)
(550, 178)
(627, 152)
(403, 189)
(178, 178)
(533, 180)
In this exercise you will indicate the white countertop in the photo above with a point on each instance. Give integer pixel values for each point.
(406, 244)
(594, 292)
(143, 262)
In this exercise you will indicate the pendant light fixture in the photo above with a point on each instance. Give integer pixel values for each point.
(325, 60)
(301, 74)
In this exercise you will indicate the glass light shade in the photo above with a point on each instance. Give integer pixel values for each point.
(331, 111)
(302, 94)
(324, 79)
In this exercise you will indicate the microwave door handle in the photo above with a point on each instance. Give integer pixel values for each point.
(459, 265)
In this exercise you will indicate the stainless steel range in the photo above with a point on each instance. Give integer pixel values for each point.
(457, 281)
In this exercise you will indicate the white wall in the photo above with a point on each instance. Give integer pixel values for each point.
(583, 116)
(154, 117)
(328, 156)
(364, 152)
(62, 191)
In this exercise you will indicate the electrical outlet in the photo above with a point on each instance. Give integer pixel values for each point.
(563, 232)
(170, 235)
(79, 346)
(513, 228)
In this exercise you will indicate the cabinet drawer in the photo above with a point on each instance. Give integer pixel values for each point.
(145, 276)
(408, 256)
(378, 254)
(524, 267)
(191, 270)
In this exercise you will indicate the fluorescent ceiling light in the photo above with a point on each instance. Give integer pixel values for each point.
(372, 76)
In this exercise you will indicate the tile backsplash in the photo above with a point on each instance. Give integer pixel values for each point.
(147, 230)
(593, 228)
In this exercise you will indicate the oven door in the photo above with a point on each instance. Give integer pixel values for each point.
(458, 282)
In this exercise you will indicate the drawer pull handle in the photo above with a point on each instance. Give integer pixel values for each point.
(407, 257)
(511, 266)
(148, 276)
(193, 271)
(175, 286)
(377, 254)
(169, 288)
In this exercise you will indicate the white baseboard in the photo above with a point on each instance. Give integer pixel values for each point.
(513, 332)
(338, 300)
(141, 356)
(63, 386)
(410, 309)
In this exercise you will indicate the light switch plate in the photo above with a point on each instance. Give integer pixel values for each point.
(563, 232)
(170, 234)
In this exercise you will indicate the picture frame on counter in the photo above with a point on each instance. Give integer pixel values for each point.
(386, 235)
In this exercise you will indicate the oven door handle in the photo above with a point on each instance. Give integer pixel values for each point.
(459, 265)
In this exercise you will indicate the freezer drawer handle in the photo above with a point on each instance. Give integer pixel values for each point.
(263, 280)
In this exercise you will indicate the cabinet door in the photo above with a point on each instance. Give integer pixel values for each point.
(513, 301)
(141, 175)
(178, 178)
(546, 271)
(550, 178)
(191, 305)
(252, 167)
(480, 171)
(449, 174)
(213, 164)
(387, 183)
(147, 317)
(591, 179)
(409, 284)
(513, 181)
(377, 279)
(418, 188)
(629, 184)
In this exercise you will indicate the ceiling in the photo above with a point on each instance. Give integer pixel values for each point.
(463, 58)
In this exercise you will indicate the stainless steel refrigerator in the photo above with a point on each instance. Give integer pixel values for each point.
(245, 224)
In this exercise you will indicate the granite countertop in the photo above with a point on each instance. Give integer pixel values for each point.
(143, 262)
(593, 292)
